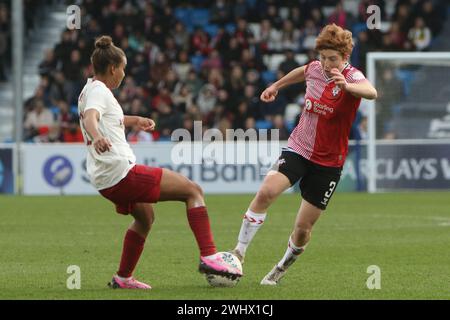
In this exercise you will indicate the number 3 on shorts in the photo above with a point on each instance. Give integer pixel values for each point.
(330, 191)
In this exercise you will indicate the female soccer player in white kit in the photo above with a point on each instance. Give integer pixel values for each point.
(316, 148)
(131, 187)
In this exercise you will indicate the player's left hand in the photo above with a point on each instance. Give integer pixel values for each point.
(146, 124)
(338, 78)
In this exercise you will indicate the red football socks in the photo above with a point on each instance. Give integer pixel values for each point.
(133, 245)
(199, 223)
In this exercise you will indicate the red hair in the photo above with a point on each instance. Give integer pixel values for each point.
(335, 38)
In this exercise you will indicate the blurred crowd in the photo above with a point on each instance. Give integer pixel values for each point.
(33, 10)
(204, 60)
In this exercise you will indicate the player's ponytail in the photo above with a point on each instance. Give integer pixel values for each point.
(104, 42)
(105, 54)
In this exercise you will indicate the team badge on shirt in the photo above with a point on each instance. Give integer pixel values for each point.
(335, 91)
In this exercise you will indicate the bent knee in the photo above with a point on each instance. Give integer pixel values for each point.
(194, 190)
(303, 229)
(151, 220)
(147, 222)
(267, 195)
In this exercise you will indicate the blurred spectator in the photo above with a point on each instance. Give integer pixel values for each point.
(250, 61)
(290, 37)
(60, 89)
(402, 17)
(136, 135)
(200, 42)
(139, 68)
(180, 36)
(3, 55)
(432, 17)
(167, 121)
(309, 35)
(182, 66)
(215, 77)
(273, 16)
(243, 34)
(49, 64)
(240, 9)
(69, 124)
(389, 89)
(5, 31)
(398, 37)
(295, 15)
(241, 115)
(339, 16)
(220, 12)
(420, 35)
(194, 83)
(278, 124)
(39, 124)
(213, 61)
(251, 96)
(182, 98)
(268, 38)
(159, 69)
(289, 63)
(64, 49)
(232, 54)
(206, 99)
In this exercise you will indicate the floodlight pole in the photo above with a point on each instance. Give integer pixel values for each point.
(371, 128)
(17, 44)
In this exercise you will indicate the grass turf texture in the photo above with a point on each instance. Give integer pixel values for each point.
(406, 234)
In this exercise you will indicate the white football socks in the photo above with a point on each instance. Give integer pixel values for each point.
(291, 254)
(124, 279)
(250, 225)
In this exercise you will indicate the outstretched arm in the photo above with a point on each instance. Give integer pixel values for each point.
(296, 75)
(145, 124)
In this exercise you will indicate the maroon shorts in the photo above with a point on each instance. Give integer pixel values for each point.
(141, 184)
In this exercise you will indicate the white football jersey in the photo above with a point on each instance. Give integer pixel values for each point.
(108, 168)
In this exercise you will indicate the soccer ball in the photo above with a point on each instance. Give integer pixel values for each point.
(225, 281)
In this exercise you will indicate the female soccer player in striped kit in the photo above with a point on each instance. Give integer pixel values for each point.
(131, 187)
(316, 148)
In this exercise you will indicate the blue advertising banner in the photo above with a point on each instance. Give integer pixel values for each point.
(400, 166)
(6, 170)
(413, 166)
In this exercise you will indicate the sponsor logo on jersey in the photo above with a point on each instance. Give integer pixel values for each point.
(308, 104)
(323, 109)
(317, 107)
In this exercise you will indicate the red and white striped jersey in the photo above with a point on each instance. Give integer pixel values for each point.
(321, 135)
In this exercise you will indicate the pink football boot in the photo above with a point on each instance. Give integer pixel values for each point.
(131, 283)
(218, 266)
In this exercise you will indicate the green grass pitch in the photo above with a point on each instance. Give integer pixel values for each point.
(407, 235)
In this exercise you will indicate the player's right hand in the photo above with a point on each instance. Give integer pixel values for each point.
(269, 94)
(101, 144)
